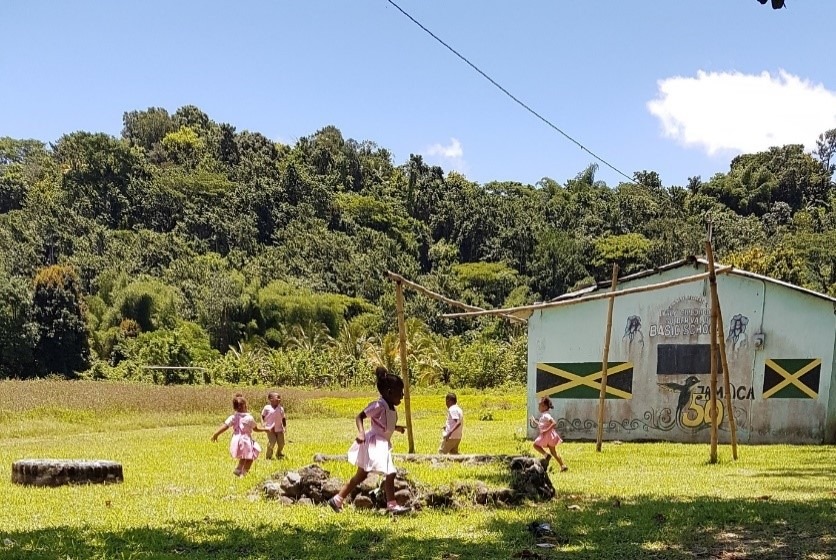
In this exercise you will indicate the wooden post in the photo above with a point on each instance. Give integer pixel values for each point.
(605, 361)
(404, 368)
(721, 340)
(712, 280)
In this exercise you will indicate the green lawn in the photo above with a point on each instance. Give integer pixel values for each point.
(180, 500)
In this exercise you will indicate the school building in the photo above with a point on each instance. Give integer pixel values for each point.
(779, 343)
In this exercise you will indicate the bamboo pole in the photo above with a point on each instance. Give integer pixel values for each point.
(712, 280)
(628, 291)
(404, 368)
(721, 345)
(438, 297)
(721, 341)
(605, 361)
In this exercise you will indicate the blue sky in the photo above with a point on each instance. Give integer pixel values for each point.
(674, 86)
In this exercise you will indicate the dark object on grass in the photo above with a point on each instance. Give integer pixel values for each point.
(540, 529)
(529, 478)
(58, 472)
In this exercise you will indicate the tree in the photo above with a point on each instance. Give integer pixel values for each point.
(558, 263)
(149, 302)
(518, 219)
(630, 251)
(826, 150)
(59, 315)
(781, 174)
(184, 147)
(23, 165)
(217, 296)
(492, 281)
(333, 158)
(147, 129)
(18, 335)
(97, 171)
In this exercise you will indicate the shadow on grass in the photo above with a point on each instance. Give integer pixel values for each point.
(585, 528)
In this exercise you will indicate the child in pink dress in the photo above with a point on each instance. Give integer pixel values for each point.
(372, 449)
(242, 446)
(548, 436)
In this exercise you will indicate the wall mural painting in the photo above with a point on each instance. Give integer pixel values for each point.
(791, 378)
(633, 331)
(568, 425)
(661, 420)
(695, 416)
(686, 316)
(693, 401)
(582, 380)
(693, 406)
(686, 402)
(737, 331)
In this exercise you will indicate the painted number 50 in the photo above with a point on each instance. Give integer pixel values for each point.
(698, 411)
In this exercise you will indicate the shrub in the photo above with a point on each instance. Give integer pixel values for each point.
(481, 364)
(151, 303)
(185, 346)
(282, 305)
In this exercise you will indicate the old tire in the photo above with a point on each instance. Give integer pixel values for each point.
(58, 472)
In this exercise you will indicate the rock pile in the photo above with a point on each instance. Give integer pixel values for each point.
(314, 485)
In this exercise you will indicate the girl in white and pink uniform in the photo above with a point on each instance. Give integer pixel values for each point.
(372, 449)
(548, 438)
(241, 446)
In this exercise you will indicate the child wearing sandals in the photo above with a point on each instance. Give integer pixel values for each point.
(548, 436)
(372, 449)
(242, 446)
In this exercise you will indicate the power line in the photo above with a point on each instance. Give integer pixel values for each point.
(511, 95)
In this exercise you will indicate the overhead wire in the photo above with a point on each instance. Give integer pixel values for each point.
(509, 94)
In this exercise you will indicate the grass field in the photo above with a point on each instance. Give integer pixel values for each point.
(180, 500)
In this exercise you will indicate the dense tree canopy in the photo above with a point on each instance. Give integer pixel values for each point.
(187, 242)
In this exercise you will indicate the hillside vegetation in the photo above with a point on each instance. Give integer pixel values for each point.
(187, 243)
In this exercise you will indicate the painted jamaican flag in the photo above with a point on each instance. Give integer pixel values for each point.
(791, 378)
(582, 380)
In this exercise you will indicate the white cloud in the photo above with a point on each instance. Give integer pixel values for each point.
(743, 112)
(453, 151)
(450, 156)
